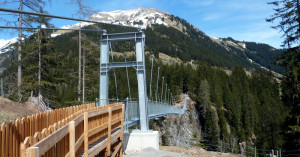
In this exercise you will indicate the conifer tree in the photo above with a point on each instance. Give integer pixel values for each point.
(288, 12)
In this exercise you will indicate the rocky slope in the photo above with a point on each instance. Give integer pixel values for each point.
(184, 130)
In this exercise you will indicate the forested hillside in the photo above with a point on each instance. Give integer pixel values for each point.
(236, 106)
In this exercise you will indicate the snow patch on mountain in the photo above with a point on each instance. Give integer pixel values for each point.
(5, 44)
(138, 17)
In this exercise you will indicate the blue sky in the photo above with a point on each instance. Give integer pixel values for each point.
(239, 19)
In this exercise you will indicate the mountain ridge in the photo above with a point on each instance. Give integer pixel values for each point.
(149, 18)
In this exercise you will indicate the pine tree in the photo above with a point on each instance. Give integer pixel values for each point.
(33, 5)
(288, 12)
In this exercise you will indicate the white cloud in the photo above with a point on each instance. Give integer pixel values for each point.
(212, 16)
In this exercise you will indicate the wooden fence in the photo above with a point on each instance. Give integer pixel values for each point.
(16, 135)
(97, 131)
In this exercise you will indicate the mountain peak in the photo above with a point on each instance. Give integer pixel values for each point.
(138, 17)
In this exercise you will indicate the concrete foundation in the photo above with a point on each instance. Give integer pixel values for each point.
(136, 141)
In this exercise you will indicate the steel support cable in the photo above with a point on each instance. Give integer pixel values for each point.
(166, 93)
(168, 100)
(162, 89)
(39, 28)
(152, 55)
(156, 93)
(59, 17)
(127, 79)
(112, 58)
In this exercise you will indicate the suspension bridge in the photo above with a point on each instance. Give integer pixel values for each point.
(145, 107)
(90, 122)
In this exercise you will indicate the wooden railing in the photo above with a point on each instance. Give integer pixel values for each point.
(18, 134)
(95, 131)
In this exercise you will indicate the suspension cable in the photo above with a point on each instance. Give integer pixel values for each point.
(128, 80)
(152, 56)
(59, 17)
(171, 99)
(168, 100)
(162, 89)
(112, 58)
(157, 84)
(166, 93)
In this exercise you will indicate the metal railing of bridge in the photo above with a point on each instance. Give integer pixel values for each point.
(155, 110)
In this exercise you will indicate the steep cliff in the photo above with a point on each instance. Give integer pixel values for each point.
(184, 130)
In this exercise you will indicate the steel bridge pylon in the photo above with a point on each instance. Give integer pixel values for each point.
(139, 65)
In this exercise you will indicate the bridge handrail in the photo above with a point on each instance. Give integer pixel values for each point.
(84, 130)
(16, 131)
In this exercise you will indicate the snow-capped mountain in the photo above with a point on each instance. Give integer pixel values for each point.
(138, 17)
(4, 44)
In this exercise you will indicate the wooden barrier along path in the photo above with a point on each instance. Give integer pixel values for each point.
(22, 134)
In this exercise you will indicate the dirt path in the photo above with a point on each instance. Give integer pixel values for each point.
(176, 151)
(196, 151)
(10, 110)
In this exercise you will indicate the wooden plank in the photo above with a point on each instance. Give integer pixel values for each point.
(79, 142)
(113, 122)
(109, 133)
(10, 138)
(117, 149)
(36, 137)
(78, 120)
(116, 107)
(97, 112)
(6, 139)
(24, 146)
(97, 129)
(52, 139)
(86, 134)
(13, 138)
(17, 132)
(2, 135)
(100, 146)
(33, 152)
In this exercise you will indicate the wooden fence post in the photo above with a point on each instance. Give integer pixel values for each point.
(86, 134)
(2, 149)
(72, 138)
(109, 133)
(33, 152)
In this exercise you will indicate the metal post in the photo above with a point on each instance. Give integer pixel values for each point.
(255, 152)
(162, 89)
(126, 114)
(104, 59)
(157, 84)
(151, 77)
(142, 86)
(2, 93)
